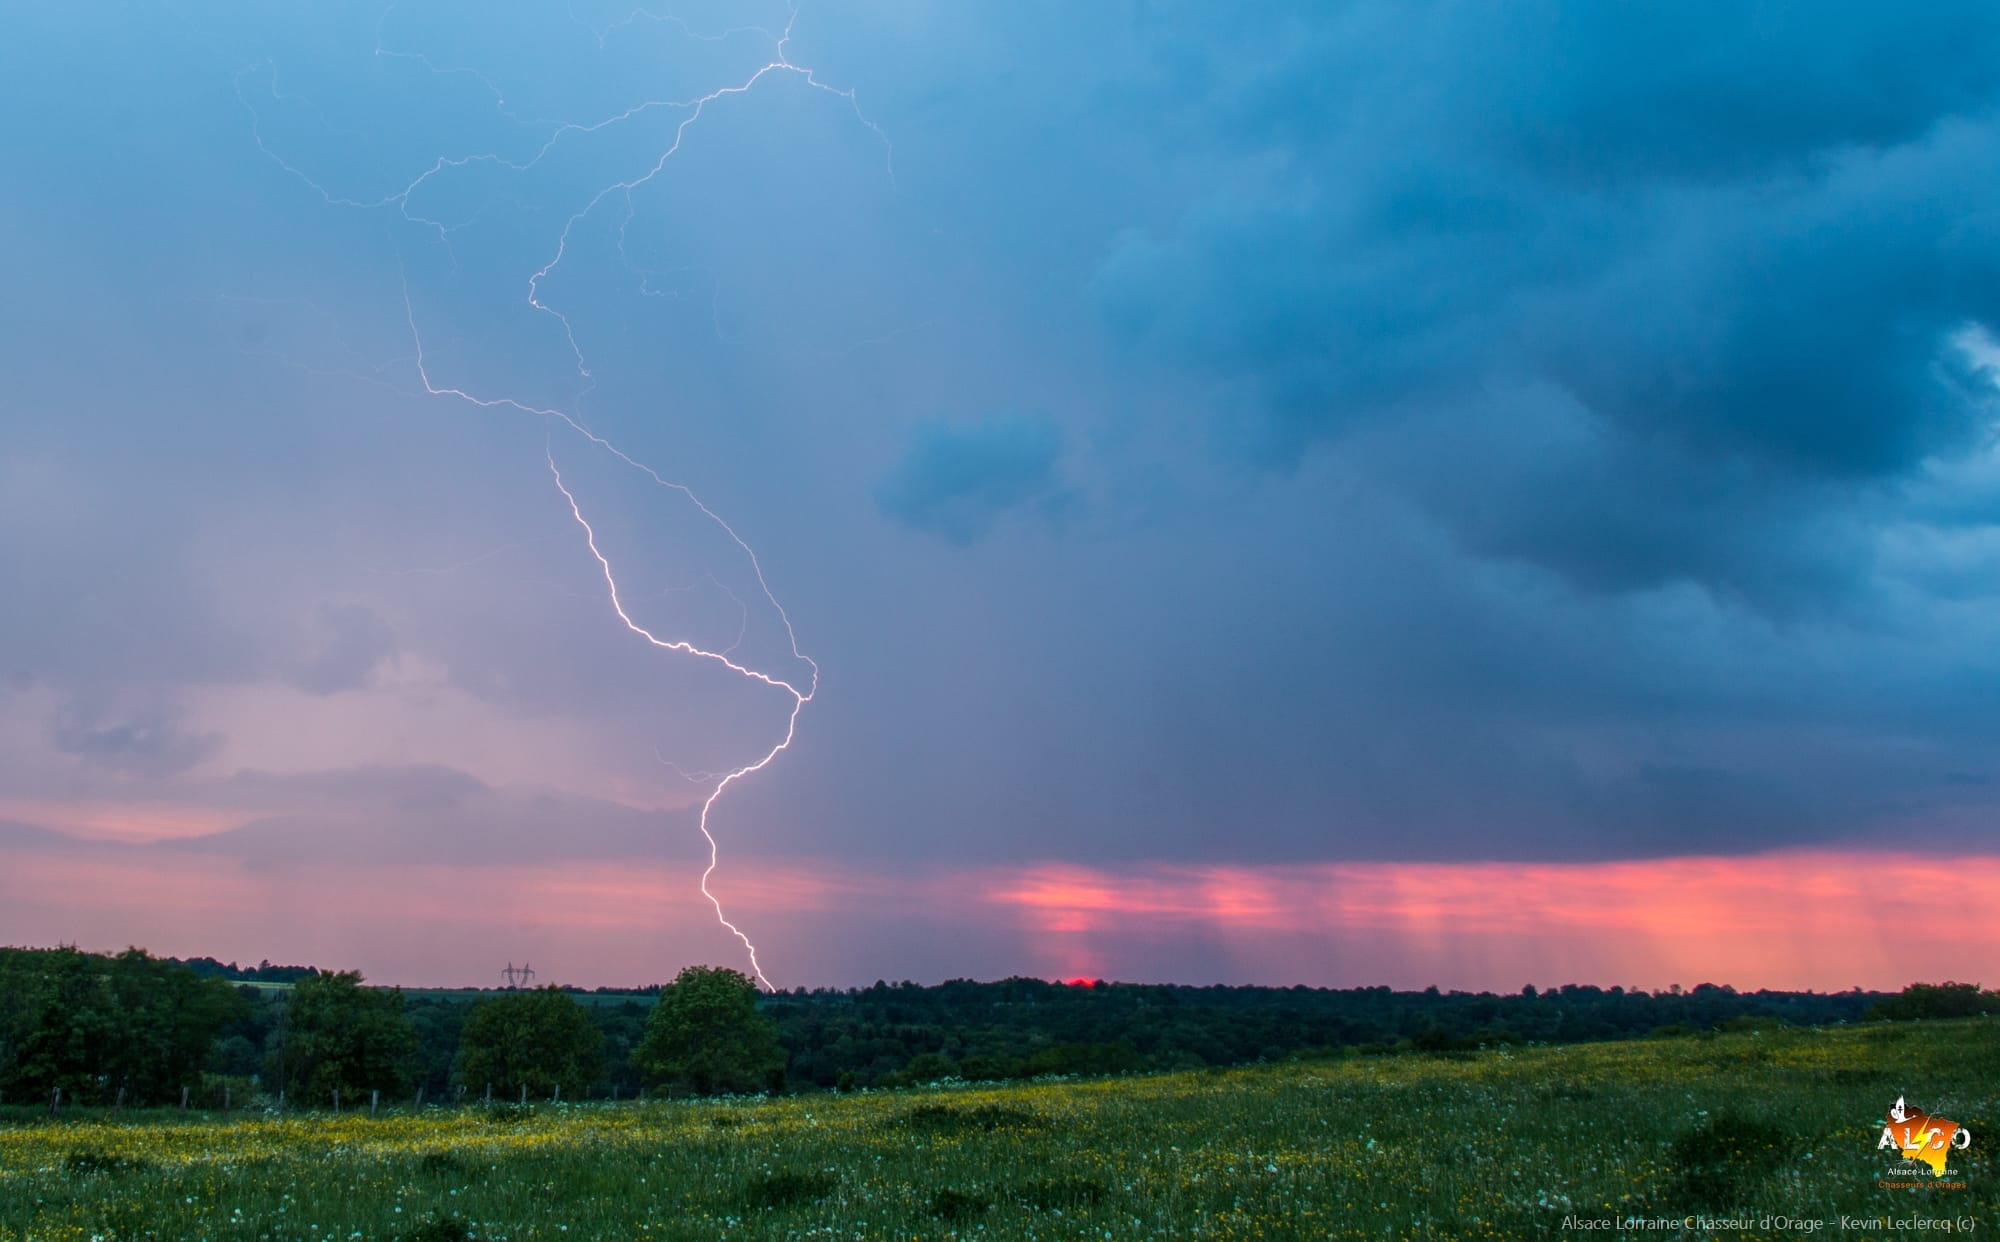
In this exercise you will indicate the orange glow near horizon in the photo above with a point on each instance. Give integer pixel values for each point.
(1826, 920)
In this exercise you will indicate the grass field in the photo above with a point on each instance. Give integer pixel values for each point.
(1489, 1145)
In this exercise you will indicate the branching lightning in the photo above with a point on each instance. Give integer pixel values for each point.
(800, 690)
(799, 700)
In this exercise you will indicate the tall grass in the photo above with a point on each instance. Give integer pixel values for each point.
(1493, 1145)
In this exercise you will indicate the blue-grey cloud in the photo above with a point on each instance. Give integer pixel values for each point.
(956, 479)
(428, 813)
(357, 640)
(13, 833)
(151, 742)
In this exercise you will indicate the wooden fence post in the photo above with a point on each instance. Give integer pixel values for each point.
(420, 1099)
(225, 1097)
(558, 1098)
(524, 1095)
(489, 1093)
(118, 1106)
(374, 1098)
(336, 1101)
(184, 1099)
(55, 1101)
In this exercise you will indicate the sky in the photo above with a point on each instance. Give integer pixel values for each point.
(1347, 494)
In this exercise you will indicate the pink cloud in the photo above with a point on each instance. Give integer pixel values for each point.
(131, 822)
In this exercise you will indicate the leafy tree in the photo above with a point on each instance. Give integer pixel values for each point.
(623, 1026)
(1936, 1000)
(706, 1035)
(167, 1018)
(438, 1023)
(540, 1040)
(235, 1057)
(342, 1036)
(93, 1025)
(62, 1025)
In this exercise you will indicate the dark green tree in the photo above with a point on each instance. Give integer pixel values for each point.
(1936, 1000)
(168, 1018)
(706, 1036)
(541, 1040)
(342, 1036)
(94, 1025)
(236, 1057)
(63, 1025)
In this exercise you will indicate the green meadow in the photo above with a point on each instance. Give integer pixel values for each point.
(1510, 1143)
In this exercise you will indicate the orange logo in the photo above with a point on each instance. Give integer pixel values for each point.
(1918, 1136)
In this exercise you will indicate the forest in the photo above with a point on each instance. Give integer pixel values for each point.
(133, 1030)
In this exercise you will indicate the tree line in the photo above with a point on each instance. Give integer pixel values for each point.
(136, 1029)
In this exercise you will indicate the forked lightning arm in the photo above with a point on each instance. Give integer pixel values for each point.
(799, 700)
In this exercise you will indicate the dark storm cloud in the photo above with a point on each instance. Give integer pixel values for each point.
(1531, 474)
(1736, 241)
(958, 479)
(1702, 90)
(1805, 325)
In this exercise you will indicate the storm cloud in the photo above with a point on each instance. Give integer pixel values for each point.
(1710, 266)
(1377, 433)
(957, 480)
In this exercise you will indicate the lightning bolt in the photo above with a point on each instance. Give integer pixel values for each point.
(800, 690)
(799, 697)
